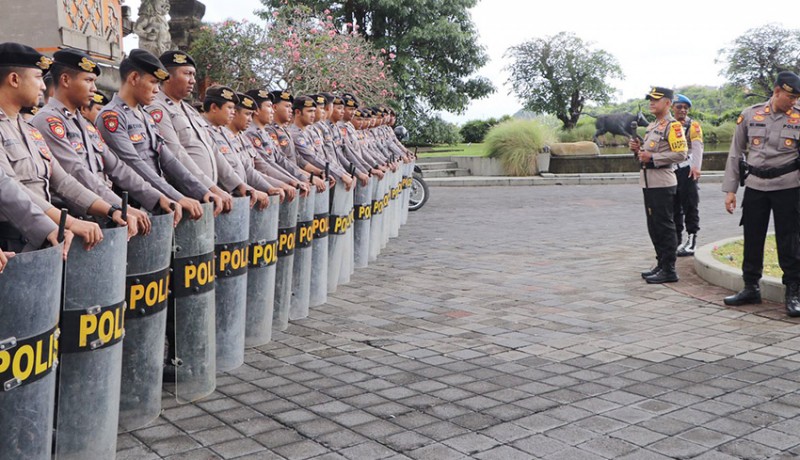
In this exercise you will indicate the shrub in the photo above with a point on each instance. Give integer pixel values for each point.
(434, 130)
(582, 132)
(722, 134)
(474, 131)
(515, 143)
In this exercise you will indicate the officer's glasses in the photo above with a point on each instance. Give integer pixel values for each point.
(680, 107)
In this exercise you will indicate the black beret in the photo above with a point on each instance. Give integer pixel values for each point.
(18, 55)
(319, 99)
(147, 62)
(99, 98)
(349, 100)
(789, 82)
(221, 94)
(246, 102)
(337, 100)
(260, 96)
(281, 96)
(328, 98)
(302, 102)
(657, 92)
(176, 59)
(76, 60)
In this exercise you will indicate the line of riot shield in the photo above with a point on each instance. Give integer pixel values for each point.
(261, 274)
(336, 236)
(231, 234)
(287, 229)
(408, 169)
(387, 213)
(397, 202)
(30, 295)
(376, 226)
(303, 254)
(363, 212)
(146, 295)
(319, 258)
(92, 327)
(347, 255)
(193, 305)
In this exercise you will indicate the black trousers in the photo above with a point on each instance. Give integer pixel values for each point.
(785, 208)
(687, 200)
(659, 204)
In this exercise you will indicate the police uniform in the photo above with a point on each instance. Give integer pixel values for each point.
(17, 208)
(303, 143)
(687, 198)
(765, 144)
(666, 142)
(133, 135)
(280, 134)
(266, 157)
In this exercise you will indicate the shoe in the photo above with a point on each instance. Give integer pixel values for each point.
(687, 248)
(793, 300)
(651, 272)
(171, 370)
(751, 294)
(666, 275)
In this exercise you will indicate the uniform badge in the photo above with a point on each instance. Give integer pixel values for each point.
(90, 127)
(788, 142)
(36, 135)
(652, 144)
(161, 74)
(766, 109)
(284, 143)
(256, 142)
(87, 65)
(136, 137)
(179, 59)
(758, 118)
(756, 141)
(224, 150)
(274, 136)
(739, 120)
(157, 115)
(111, 121)
(57, 127)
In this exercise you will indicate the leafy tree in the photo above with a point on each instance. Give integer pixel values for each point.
(434, 42)
(560, 74)
(431, 130)
(474, 131)
(756, 57)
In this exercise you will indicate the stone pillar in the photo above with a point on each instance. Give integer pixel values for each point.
(152, 27)
(185, 17)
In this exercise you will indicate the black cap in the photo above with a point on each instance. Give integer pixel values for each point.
(337, 100)
(328, 98)
(18, 55)
(349, 100)
(246, 102)
(100, 98)
(281, 96)
(658, 92)
(260, 96)
(302, 102)
(789, 82)
(221, 94)
(319, 99)
(76, 60)
(147, 62)
(176, 59)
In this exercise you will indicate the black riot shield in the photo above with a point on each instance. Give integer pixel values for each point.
(336, 236)
(92, 327)
(376, 225)
(146, 293)
(232, 243)
(319, 258)
(193, 305)
(301, 271)
(261, 274)
(363, 212)
(347, 253)
(287, 228)
(30, 292)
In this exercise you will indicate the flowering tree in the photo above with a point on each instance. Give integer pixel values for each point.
(231, 53)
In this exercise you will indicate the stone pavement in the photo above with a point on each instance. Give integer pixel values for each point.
(509, 323)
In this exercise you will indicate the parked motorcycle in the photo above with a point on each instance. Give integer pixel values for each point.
(419, 190)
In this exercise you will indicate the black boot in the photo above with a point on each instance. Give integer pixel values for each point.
(793, 300)
(750, 294)
(687, 249)
(652, 271)
(667, 274)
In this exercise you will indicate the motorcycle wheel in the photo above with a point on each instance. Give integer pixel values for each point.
(419, 193)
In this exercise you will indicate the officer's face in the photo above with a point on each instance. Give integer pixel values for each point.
(283, 112)
(181, 81)
(680, 110)
(337, 113)
(91, 113)
(783, 100)
(307, 115)
(80, 87)
(659, 107)
(145, 88)
(29, 85)
(267, 114)
(320, 115)
(242, 119)
(348, 113)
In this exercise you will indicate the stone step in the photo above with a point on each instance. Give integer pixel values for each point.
(449, 172)
(438, 165)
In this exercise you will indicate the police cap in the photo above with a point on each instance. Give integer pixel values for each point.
(99, 99)
(246, 102)
(349, 100)
(220, 95)
(328, 98)
(658, 92)
(789, 82)
(337, 100)
(18, 55)
(681, 99)
(319, 99)
(260, 96)
(302, 102)
(146, 62)
(281, 96)
(76, 60)
(176, 59)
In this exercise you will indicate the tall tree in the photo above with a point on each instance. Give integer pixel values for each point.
(560, 74)
(435, 43)
(756, 57)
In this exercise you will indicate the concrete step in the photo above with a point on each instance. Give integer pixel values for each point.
(708, 178)
(450, 172)
(438, 165)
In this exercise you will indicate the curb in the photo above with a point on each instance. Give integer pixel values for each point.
(723, 275)
(710, 177)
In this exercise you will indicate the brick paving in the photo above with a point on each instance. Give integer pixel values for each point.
(509, 323)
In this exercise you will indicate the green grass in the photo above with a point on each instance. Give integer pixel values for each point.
(458, 150)
(731, 254)
(516, 142)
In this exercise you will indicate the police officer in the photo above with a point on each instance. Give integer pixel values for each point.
(133, 134)
(687, 197)
(304, 114)
(663, 146)
(352, 143)
(769, 133)
(99, 100)
(322, 138)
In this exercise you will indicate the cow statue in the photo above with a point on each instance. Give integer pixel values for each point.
(618, 124)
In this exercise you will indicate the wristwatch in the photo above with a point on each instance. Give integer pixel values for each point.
(114, 208)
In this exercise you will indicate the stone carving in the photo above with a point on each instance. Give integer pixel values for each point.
(152, 26)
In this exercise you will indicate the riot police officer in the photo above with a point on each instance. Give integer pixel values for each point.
(687, 198)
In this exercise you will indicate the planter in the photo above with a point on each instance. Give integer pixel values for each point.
(543, 162)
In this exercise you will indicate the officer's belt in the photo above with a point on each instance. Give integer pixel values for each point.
(651, 165)
(772, 173)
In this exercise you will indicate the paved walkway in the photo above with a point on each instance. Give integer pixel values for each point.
(509, 323)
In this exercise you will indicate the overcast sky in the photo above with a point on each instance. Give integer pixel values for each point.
(655, 44)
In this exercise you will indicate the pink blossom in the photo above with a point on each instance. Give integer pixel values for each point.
(331, 33)
(274, 14)
(329, 18)
(392, 55)
(383, 50)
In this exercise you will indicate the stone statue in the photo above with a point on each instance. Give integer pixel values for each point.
(152, 26)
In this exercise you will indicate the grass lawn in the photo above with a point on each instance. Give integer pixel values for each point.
(731, 254)
(458, 150)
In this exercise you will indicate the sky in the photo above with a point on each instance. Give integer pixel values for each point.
(675, 49)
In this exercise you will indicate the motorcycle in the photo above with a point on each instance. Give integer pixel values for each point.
(419, 190)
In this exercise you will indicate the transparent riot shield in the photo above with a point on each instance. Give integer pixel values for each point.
(261, 274)
(146, 294)
(303, 253)
(30, 294)
(363, 213)
(193, 305)
(347, 252)
(92, 327)
(386, 225)
(319, 258)
(287, 228)
(397, 209)
(336, 236)
(408, 169)
(232, 242)
(376, 226)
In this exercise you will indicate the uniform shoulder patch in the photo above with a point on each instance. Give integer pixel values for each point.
(56, 127)
(157, 115)
(695, 132)
(740, 119)
(111, 121)
(677, 142)
(256, 141)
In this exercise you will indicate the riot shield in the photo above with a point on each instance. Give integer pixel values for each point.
(261, 274)
(146, 292)
(319, 258)
(394, 231)
(193, 305)
(92, 327)
(30, 294)
(347, 245)
(301, 271)
(232, 242)
(287, 227)
(376, 225)
(336, 236)
(408, 169)
(387, 213)
(363, 213)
